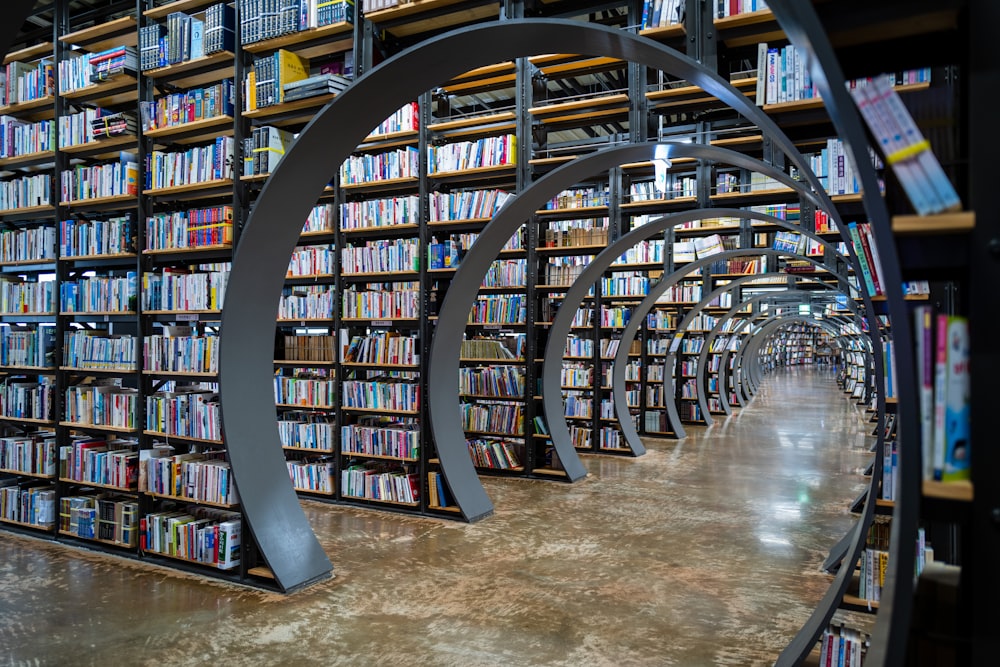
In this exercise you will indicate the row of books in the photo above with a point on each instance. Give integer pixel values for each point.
(493, 381)
(99, 294)
(507, 273)
(21, 398)
(177, 290)
(304, 391)
(17, 296)
(178, 352)
(26, 192)
(396, 440)
(31, 503)
(388, 347)
(33, 454)
(188, 106)
(572, 233)
(307, 348)
(193, 228)
(28, 346)
(306, 435)
(391, 165)
(199, 164)
(374, 213)
(311, 261)
(101, 516)
(485, 417)
(201, 476)
(84, 182)
(27, 244)
(724, 8)
(370, 482)
(316, 477)
(390, 394)
(391, 255)
(102, 405)
(190, 413)
(511, 346)
(84, 348)
(505, 309)
(266, 19)
(462, 155)
(87, 238)
(199, 534)
(91, 125)
(465, 204)
(264, 148)
(87, 69)
(101, 461)
(380, 304)
(309, 302)
(495, 454)
(578, 198)
(645, 252)
(182, 38)
(24, 82)
(18, 137)
(660, 13)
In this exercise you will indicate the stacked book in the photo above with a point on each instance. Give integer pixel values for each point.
(314, 86)
(113, 62)
(220, 29)
(113, 125)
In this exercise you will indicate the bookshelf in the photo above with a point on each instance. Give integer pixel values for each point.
(626, 103)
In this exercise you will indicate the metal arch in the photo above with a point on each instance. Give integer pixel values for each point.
(784, 319)
(575, 293)
(682, 326)
(271, 508)
(635, 321)
(716, 330)
(569, 37)
(889, 637)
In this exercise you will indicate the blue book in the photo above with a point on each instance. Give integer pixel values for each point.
(956, 402)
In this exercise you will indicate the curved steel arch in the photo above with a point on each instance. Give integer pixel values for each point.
(562, 323)
(570, 37)
(702, 396)
(635, 321)
(274, 517)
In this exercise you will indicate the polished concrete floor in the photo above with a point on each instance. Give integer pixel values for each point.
(705, 551)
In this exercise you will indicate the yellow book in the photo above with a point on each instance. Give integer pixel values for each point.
(250, 92)
(291, 67)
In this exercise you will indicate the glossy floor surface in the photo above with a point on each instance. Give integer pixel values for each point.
(705, 551)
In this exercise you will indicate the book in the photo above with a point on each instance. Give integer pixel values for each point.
(923, 316)
(956, 402)
(940, 387)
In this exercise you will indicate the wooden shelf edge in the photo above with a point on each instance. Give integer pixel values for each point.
(958, 222)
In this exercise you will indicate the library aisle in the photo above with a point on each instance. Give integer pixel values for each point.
(705, 551)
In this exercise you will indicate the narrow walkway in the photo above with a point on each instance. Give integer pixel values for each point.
(702, 552)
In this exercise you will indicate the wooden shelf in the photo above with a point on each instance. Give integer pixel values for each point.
(28, 210)
(375, 230)
(27, 420)
(78, 369)
(664, 31)
(119, 32)
(112, 144)
(384, 184)
(192, 188)
(186, 6)
(186, 438)
(379, 500)
(299, 362)
(100, 313)
(307, 106)
(28, 525)
(182, 251)
(23, 473)
(98, 427)
(117, 90)
(941, 223)
(97, 539)
(114, 200)
(182, 312)
(84, 258)
(186, 374)
(98, 486)
(299, 489)
(387, 411)
(436, 15)
(214, 566)
(26, 159)
(27, 369)
(42, 103)
(199, 71)
(378, 456)
(957, 491)
(29, 53)
(307, 450)
(29, 262)
(475, 172)
(298, 41)
(474, 121)
(359, 364)
(204, 128)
